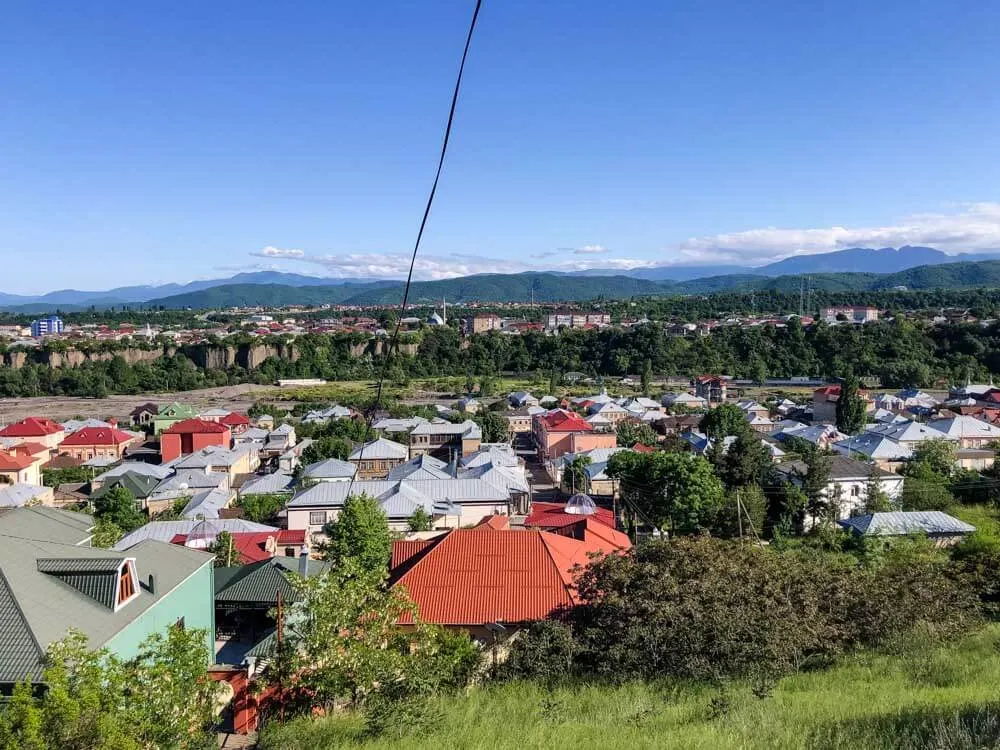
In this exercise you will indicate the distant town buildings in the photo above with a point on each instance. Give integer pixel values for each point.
(53, 324)
(850, 314)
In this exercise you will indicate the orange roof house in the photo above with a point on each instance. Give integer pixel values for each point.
(91, 442)
(19, 469)
(36, 429)
(472, 578)
(236, 422)
(190, 436)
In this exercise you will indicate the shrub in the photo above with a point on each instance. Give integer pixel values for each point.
(544, 651)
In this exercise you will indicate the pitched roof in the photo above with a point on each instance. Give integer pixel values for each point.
(901, 523)
(207, 504)
(421, 467)
(267, 484)
(252, 545)
(196, 426)
(554, 516)
(165, 531)
(401, 498)
(842, 468)
(262, 581)
(331, 468)
(966, 427)
(46, 524)
(31, 427)
(234, 419)
(55, 587)
(564, 421)
(484, 575)
(14, 463)
(147, 408)
(18, 495)
(380, 448)
(98, 436)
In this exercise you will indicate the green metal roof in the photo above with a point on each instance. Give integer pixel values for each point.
(259, 583)
(265, 647)
(93, 577)
(20, 654)
(140, 485)
(47, 524)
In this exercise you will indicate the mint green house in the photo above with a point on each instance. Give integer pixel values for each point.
(116, 599)
(171, 414)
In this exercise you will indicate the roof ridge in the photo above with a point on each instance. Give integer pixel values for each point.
(20, 612)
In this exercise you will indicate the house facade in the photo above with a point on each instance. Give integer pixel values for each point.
(170, 414)
(35, 430)
(558, 432)
(190, 436)
(98, 442)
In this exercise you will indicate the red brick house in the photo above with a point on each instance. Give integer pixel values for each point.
(190, 436)
(558, 432)
(93, 442)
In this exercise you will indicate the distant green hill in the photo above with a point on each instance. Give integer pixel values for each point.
(552, 287)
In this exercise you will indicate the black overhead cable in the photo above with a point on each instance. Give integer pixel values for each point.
(393, 341)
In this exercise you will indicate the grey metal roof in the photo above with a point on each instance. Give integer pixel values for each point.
(207, 504)
(398, 496)
(380, 448)
(96, 578)
(47, 524)
(842, 469)
(421, 467)
(331, 468)
(908, 432)
(20, 654)
(18, 495)
(467, 429)
(498, 454)
(964, 426)
(138, 467)
(192, 479)
(267, 484)
(214, 455)
(901, 523)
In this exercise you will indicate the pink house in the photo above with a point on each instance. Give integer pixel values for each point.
(190, 436)
(559, 432)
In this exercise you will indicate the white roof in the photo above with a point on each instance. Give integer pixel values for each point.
(964, 426)
(498, 454)
(18, 495)
(215, 412)
(468, 429)
(391, 424)
(330, 468)
(421, 467)
(908, 432)
(213, 455)
(874, 446)
(206, 504)
(277, 482)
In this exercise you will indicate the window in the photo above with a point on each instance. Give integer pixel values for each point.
(317, 517)
(855, 491)
(290, 552)
(126, 585)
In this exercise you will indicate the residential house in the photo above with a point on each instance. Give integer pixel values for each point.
(194, 529)
(207, 504)
(140, 486)
(713, 388)
(35, 430)
(116, 599)
(487, 322)
(598, 482)
(291, 458)
(94, 442)
(849, 314)
(824, 406)
(144, 414)
(376, 458)
(611, 412)
(424, 466)
(674, 425)
(214, 414)
(236, 422)
(969, 432)
(233, 462)
(135, 467)
(881, 450)
(519, 420)
(558, 432)
(19, 469)
(444, 439)
(491, 581)
(268, 484)
(820, 435)
(265, 422)
(72, 425)
(847, 485)
(332, 413)
(170, 414)
(908, 433)
(254, 546)
(330, 470)
(519, 399)
(943, 530)
(279, 440)
(499, 465)
(684, 400)
(20, 495)
(191, 435)
(451, 502)
(556, 516)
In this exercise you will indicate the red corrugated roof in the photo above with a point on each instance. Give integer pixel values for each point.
(643, 448)
(554, 516)
(483, 575)
(404, 550)
(234, 419)
(564, 421)
(251, 545)
(14, 463)
(97, 436)
(31, 427)
(28, 449)
(191, 426)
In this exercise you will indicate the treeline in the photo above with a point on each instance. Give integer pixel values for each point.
(899, 353)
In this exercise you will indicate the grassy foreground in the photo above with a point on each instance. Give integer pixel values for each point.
(937, 698)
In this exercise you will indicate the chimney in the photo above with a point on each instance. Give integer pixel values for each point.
(304, 562)
(271, 546)
(151, 585)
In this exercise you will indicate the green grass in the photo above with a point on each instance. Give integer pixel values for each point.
(945, 697)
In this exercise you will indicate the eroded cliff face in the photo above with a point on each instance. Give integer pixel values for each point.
(209, 356)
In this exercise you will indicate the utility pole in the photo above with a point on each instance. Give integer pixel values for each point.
(281, 665)
(739, 515)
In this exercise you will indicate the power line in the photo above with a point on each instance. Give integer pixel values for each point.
(393, 341)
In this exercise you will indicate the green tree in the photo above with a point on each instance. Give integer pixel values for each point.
(724, 420)
(421, 520)
(118, 506)
(748, 461)
(263, 507)
(575, 477)
(631, 433)
(555, 379)
(851, 407)
(106, 534)
(744, 513)
(495, 427)
(876, 501)
(815, 481)
(934, 456)
(647, 376)
(360, 533)
(224, 549)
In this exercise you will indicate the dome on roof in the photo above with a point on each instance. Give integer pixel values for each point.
(203, 535)
(581, 505)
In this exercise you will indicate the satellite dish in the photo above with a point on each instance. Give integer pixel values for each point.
(581, 505)
(182, 486)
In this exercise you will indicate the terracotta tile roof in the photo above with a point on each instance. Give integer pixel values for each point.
(564, 421)
(31, 427)
(97, 436)
(483, 575)
(554, 516)
(14, 463)
(201, 426)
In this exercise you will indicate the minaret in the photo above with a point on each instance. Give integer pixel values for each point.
(444, 310)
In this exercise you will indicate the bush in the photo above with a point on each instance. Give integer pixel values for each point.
(544, 651)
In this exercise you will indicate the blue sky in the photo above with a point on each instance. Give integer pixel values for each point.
(148, 143)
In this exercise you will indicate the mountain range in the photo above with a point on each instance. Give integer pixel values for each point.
(846, 270)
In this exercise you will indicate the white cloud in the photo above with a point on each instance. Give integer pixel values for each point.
(277, 252)
(591, 250)
(970, 228)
